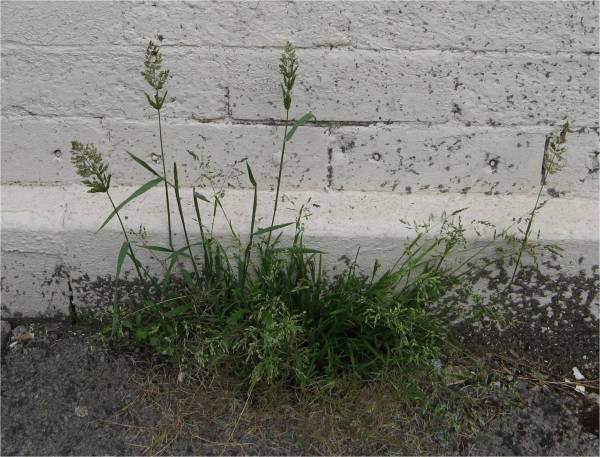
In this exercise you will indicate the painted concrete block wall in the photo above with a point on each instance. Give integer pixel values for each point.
(422, 106)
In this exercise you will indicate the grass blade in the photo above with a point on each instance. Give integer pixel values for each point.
(252, 222)
(121, 257)
(250, 175)
(300, 122)
(116, 319)
(141, 190)
(144, 164)
(148, 167)
(271, 228)
(154, 248)
(181, 309)
(187, 240)
(299, 250)
(199, 196)
(205, 247)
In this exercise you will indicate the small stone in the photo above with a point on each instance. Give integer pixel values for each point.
(27, 336)
(81, 411)
(19, 330)
(577, 374)
(580, 389)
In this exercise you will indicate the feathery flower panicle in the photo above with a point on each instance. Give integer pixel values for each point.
(288, 67)
(90, 166)
(555, 152)
(154, 75)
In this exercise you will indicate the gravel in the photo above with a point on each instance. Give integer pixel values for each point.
(61, 394)
(550, 424)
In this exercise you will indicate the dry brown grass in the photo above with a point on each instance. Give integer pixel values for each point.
(415, 412)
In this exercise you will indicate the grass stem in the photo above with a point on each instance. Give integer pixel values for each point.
(135, 261)
(287, 114)
(162, 155)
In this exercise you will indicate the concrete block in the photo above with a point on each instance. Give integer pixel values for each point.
(421, 86)
(452, 158)
(206, 152)
(398, 158)
(342, 85)
(37, 151)
(568, 26)
(103, 82)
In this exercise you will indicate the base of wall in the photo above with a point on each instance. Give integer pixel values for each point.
(54, 262)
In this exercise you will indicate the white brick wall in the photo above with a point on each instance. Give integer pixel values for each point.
(408, 80)
(416, 97)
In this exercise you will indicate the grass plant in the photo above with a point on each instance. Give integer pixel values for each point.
(266, 308)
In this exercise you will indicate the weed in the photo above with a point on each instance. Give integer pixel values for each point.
(268, 310)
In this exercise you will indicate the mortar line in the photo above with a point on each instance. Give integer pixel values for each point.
(15, 44)
(234, 121)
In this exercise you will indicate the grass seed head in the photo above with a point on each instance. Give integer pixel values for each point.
(556, 152)
(153, 72)
(90, 166)
(155, 76)
(288, 67)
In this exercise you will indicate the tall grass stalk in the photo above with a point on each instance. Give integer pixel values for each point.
(288, 68)
(552, 162)
(156, 77)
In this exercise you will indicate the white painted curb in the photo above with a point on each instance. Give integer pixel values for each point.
(50, 248)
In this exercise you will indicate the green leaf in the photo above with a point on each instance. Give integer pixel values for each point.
(250, 175)
(121, 257)
(154, 248)
(182, 251)
(199, 196)
(187, 277)
(300, 250)
(147, 167)
(152, 102)
(141, 334)
(300, 122)
(178, 310)
(143, 189)
(271, 228)
(161, 101)
(144, 164)
(179, 252)
(454, 213)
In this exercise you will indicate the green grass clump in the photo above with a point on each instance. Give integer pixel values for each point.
(264, 307)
